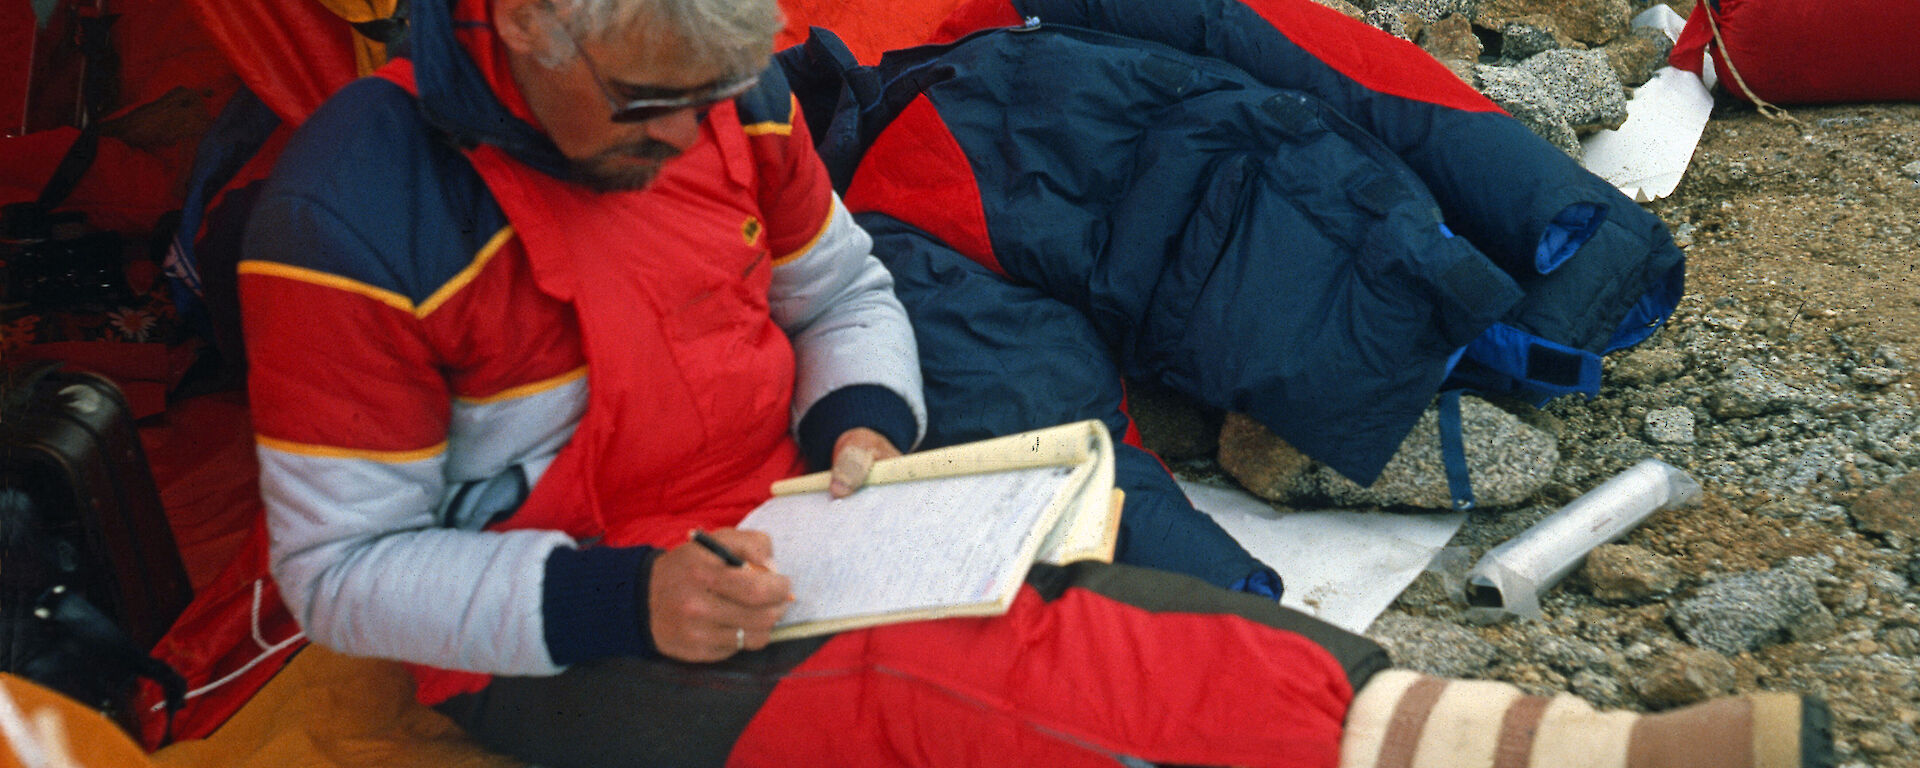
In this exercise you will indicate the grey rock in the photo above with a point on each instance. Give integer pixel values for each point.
(1601, 690)
(1594, 22)
(1507, 462)
(1684, 677)
(1431, 10)
(1624, 573)
(1523, 96)
(1432, 646)
(1816, 624)
(1391, 20)
(1584, 85)
(1894, 508)
(1749, 391)
(1888, 356)
(1747, 611)
(1648, 365)
(1875, 376)
(1670, 425)
(1525, 36)
(1569, 654)
(1912, 170)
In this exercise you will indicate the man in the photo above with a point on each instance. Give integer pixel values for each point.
(568, 283)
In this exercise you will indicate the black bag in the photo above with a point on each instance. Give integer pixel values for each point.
(90, 578)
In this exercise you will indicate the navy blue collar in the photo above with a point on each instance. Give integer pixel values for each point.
(456, 98)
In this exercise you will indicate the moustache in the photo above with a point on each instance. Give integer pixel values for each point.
(649, 150)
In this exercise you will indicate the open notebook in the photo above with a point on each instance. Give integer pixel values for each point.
(948, 532)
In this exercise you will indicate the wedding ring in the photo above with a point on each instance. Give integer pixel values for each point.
(739, 639)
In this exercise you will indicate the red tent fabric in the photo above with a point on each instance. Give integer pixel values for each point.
(1806, 51)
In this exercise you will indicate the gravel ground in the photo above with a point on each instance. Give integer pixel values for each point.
(1785, 384)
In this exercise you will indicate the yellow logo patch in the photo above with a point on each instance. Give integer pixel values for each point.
(750, 230)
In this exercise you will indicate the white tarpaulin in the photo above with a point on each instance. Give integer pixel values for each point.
(1341, 566)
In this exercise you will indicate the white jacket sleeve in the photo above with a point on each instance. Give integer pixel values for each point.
(835, 300)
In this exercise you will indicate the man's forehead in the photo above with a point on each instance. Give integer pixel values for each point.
(647, 64)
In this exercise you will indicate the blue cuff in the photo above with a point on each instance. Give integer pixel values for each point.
(861, 405)
(593, 603)
(1263, 582)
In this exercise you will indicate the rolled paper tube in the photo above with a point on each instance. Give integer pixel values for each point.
(1511, 577)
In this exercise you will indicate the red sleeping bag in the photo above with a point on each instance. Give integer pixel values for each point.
(1807, 51)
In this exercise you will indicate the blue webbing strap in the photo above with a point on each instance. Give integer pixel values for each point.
(1453, 451)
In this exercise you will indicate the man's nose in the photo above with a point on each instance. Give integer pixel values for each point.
(680, 128)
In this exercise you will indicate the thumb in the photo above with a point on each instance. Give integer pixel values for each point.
(850, 467)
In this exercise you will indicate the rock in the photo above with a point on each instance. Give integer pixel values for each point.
(1912, 170)
(1875, 376)
(1598, 689)
(1635, 57)
(1687, 676)
(1170, 423)
(1522, 96)
(1528, 35)
(1430, 10)
(1894, 508)
(1569, 654)
(1390, 20)
(1450, 39)
(1748, 611)
(1583, 84)
(1260, 461)
(1670, 425)
(1432, 646)
(1749, 391)
(1352, 11)
(1627, 573)
(1646, 365)
(1876, 743)
(1507, 462)
(1903, 641)
(1594, 22)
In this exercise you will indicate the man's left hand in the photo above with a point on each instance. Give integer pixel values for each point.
(853, 456)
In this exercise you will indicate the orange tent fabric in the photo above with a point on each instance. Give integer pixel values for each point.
(869, 28)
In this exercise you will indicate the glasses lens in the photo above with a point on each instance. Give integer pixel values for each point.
(643, 110)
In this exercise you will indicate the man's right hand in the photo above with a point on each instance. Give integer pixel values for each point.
(697, 605)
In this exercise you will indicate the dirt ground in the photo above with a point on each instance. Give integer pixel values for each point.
(1819, 216)
(1803, 241)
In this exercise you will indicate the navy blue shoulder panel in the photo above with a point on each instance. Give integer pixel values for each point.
(769, 102)
(366, 190)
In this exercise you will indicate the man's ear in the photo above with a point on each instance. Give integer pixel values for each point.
(522, 27)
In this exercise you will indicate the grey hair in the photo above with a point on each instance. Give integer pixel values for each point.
(735, 35)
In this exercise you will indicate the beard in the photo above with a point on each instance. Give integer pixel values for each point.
(613, 170)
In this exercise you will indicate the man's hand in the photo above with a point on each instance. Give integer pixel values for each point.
(853, 455)
(701, 609)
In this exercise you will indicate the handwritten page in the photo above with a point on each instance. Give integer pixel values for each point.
(932, 547)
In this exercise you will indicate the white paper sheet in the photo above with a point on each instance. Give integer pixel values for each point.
(1342, 566)
(906, 546)
(1646, 156)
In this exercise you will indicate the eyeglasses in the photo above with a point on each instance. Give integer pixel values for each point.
(642, 110)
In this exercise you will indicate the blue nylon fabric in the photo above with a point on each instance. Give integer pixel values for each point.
(1453, 451)
(999, 357)
(1283, 252)
(1569, 230)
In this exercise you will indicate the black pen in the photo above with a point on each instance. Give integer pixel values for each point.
(713, 545)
